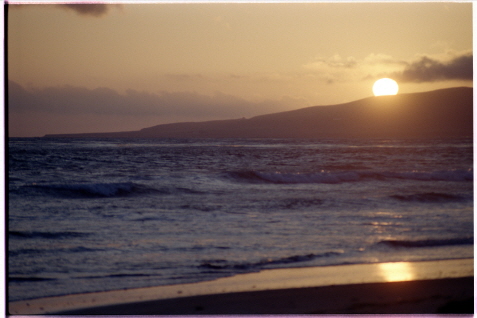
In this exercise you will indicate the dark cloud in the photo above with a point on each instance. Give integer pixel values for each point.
(85, 9)
(70, 100)
(427, 69)
(95, 10)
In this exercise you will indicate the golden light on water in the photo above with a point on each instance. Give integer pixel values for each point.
(396, 272)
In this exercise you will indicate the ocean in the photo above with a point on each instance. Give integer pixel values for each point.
(88, 215)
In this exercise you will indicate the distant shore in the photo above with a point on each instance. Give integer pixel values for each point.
(444, 113)
(430, 287)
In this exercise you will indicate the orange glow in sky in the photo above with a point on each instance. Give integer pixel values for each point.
(92, 68)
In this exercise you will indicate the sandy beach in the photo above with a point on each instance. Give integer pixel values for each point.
(383, 288)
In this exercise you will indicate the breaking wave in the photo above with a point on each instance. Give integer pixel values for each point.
(349, 176)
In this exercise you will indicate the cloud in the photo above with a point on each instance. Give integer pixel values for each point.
(448, 66)
(95, 10)
(70, 109)
(84, 9)
(336, 61)
(71, 100)
(337, 69)
(333, 69)
(183, 77)
(428, 69)
(381, 60)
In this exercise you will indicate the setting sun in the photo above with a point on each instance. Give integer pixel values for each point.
(385, 86)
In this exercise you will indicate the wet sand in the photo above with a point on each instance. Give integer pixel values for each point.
(383, 288)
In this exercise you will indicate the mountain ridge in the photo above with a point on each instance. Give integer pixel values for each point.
(440, 113)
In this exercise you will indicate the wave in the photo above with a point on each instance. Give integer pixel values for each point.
(430, 197)
(46, 235)
(296, 203)
(349, 176)
(223, 264)
(12, 253)
(32, 251)
(427, 243)
(119, 275)
(93, 190)
(96, 189)
(28, 279)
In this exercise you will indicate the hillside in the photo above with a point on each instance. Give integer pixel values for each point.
(440, 113)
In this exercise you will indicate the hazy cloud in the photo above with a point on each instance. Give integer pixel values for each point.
(95, 10)
(69, 109)
(428, 69)
(183, 77)
(336, 61)
(333, 69)
(338, 69)
(70, 100)
(381, 60)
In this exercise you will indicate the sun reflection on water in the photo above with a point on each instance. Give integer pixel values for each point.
(395, 272)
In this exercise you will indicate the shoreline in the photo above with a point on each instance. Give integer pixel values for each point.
(444, 286)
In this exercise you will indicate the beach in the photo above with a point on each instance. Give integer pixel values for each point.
(382, 288)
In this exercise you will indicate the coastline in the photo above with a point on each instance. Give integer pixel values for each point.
(444, 286)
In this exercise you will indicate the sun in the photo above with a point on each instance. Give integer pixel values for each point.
(385, 86)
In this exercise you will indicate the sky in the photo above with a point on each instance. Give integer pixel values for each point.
(125, 66)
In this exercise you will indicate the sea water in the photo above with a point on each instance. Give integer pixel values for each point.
(89, 215)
